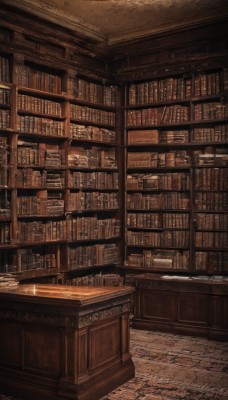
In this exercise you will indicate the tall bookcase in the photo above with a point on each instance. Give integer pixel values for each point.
(88, 181)
(176, 137)
(59, 178)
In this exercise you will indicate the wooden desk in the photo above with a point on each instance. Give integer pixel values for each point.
(59, 342)
(184, 306)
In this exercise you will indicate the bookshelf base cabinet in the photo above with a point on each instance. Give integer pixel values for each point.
(191, 307)
(60, 342)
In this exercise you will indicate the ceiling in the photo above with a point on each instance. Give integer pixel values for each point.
(115, 21)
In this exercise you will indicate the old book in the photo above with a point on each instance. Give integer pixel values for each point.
(141, 136)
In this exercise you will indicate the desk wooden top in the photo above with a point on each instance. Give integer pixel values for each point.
(79, 295)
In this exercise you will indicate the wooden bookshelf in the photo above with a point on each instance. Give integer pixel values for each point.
(122, 154)
(114, 163)
(176, 137)
(59, 178)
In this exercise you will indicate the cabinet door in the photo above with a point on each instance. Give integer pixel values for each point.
(194, 308)
(220, 312)
(156, 305)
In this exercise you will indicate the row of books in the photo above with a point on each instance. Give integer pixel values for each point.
(95, 133)
(4, 233)
(158, 116)
(38, 105)
(4, 119)
(162, 181)
(178, 201)
(4, 69)
(30, 178)
(52, 203)
(5, 176)
(93, 157)
(211, 179)
(175, 158)
(158, 239)
(176, 220)
(165, 201)
(8, 282)
(89, 256)
(211, 221)
(211, 201)
(93, 115)
(159, 259)
(95, 93)
(4, 96)
(5, 203)
(208, 111)
(211, 239)
(90, 228)
(4, 150)
(31, 77)
(40, 154)
(174, 88)
(92, 92)
(29, 259)
(93, 180)
(211, 261)
(43, 203)
(158, 220)
(154, 136)
(101, 279)
(40, 126)
(144, 220)
(42, 231)
(211, 155)
(217, 133)
(43, 154)
(38, 231)
(205, 179)
(206, 84)
(92, 201)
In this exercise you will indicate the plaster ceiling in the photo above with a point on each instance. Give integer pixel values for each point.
(114, 21)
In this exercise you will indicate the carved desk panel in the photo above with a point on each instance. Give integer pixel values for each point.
(60, 342)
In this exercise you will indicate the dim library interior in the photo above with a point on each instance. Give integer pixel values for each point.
(113, 175)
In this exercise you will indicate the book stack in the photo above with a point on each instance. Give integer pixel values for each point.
(8, 281)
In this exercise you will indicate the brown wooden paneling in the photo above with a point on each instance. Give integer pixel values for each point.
(82, 350)
(104, 345)
(193, 308)
(43, 351)
(186, 307)
(158, 305)
(75, 341)
(70, 362)
(11, 344)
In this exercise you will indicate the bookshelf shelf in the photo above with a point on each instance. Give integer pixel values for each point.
(42, 94)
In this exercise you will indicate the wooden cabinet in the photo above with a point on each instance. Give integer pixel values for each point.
(181, 305)
(61, 342)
